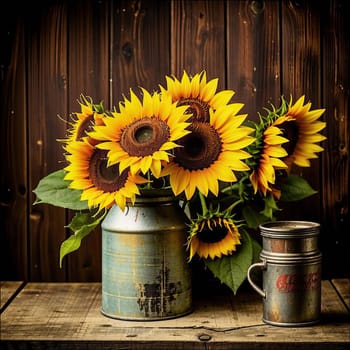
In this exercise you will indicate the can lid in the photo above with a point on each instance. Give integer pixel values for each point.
(289, 229)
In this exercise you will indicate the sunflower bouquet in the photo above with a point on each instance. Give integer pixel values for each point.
(187, 138)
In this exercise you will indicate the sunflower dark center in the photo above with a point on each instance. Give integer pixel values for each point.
(213, 235)
(199, 109)
(144, 136)
(103, 177)
(201, 148)
(290, 131)
(85, 126)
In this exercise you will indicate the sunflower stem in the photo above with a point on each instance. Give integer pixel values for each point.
(203, 203)
(148, 184)
(233, 205)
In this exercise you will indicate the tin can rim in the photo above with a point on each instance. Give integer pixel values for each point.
(291, 258)
(289, 228)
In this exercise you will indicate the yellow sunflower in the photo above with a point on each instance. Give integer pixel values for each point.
(198, 94)
(143, 133)
(269, 156)
(302, 128)
(101, 185)
(213, 236)
(83, 122)
(210, 153)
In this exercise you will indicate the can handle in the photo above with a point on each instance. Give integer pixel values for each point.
(262, 266)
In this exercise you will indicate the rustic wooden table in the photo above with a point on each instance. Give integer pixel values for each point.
(8, 289)
(67, 316)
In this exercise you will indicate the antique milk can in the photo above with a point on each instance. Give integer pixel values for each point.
(145, 273)
(291, 269)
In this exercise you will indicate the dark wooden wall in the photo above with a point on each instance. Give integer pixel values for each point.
(54, 51)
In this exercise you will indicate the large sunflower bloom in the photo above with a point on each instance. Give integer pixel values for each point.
(302, 129)
(213, 236)
(143, 133)
(210, 153)
(269, 157)
(83, 122)
(198, 94)
(101, 185)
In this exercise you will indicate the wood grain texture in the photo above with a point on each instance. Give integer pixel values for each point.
(342, 285)
(140, 46)
(198, 38)
(88, 62)
(50, 314)
(46, 100)
(14, 167)
(253, 53)
(8, 290)
(335, 160)
(301, 75)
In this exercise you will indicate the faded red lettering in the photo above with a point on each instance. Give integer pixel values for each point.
(293, 282)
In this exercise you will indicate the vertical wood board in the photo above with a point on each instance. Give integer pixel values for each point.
(88, 66)
(14, 170)
(253, 54)
(140, 46)
(46, 93)
(198, 40)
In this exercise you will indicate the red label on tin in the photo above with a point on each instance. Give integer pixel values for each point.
(292, 282)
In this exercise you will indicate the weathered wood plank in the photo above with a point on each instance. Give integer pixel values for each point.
(198, 39)
(48, 314)
(253, 53)
(14, 168)
(140, 38)
(7, 291)
(343, 287)
(301, 65)
(88, 60)
(301, 75)
(46, 101)
(89, 51)
(336, 160)
(333, 308)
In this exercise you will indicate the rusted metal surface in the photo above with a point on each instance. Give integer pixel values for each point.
(291, 265)
(145, 274)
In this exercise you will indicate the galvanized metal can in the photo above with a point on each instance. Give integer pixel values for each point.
(291, 265)
(145, 272)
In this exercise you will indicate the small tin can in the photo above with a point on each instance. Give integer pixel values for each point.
(291, 265)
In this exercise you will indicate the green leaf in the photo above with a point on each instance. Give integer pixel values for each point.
(82, 224)
(54, 190)
(232, 270)
(252, 217)
(296, 188)
(270, 207)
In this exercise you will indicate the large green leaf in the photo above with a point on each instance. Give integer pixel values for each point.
(296, 188)
(54, 190)
(82, 224)
(252, 217)
(232, 270)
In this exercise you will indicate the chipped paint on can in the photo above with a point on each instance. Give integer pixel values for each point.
(145, 273)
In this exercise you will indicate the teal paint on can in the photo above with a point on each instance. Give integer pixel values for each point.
(145, 273)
